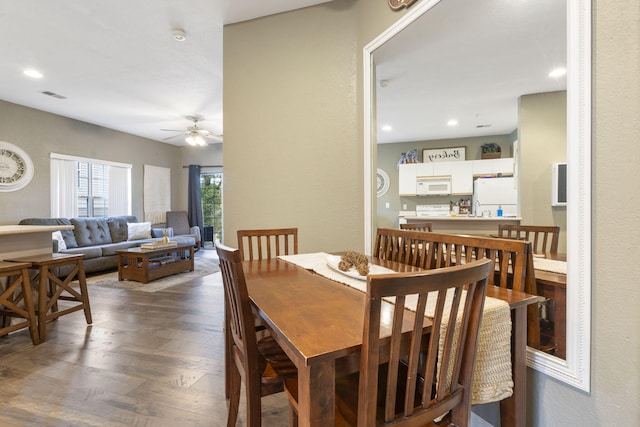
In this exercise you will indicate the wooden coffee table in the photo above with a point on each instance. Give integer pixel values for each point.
(144, 265)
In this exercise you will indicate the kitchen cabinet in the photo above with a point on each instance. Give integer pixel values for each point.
(407, 179)
(493, 166)
(424, 169)
(461, 172)
(442, 168)
(461, 177)
(503, 166)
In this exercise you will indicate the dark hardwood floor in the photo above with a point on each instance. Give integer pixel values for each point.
(148, 359)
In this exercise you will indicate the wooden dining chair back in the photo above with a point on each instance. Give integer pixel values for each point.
(441, 382)
(512, 260)
(267, 243)
(438, 250)
(418, 226)
(544, 239)
(261, 365)
(408, 377)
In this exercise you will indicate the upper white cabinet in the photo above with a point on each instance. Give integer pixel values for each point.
(461, 172)
(424, 169)
(461, 177)
(493, 166)
(407, 179)
(504, 166)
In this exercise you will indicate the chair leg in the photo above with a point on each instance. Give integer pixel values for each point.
(227, 354)
(234, 381)
(293, 416)
(254, 405)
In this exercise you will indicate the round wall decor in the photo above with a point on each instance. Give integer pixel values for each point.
(16, 167)
(382, 182)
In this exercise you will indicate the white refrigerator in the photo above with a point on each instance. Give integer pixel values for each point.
(491, 194)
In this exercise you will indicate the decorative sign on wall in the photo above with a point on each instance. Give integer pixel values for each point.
(443, 155)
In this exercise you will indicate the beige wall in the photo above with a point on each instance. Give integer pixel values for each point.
(543, 141)
(292, 153)
(39, 133)
(293, 156)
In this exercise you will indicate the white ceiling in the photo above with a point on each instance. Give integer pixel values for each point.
(117, 63)
(468, 60)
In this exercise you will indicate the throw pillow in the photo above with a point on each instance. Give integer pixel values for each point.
(57, 235)
(139, 230)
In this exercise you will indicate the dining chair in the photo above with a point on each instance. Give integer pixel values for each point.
(414, 378)
(418, 226)
(512, 260)
(260, 364)
(544, 239)
(267, 243)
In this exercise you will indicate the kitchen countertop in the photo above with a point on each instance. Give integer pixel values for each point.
(461, 218)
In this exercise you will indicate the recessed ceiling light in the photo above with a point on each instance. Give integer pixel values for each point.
(386, 128)
(452, 122)
(32, 73)
(178, 35)
(558, 72)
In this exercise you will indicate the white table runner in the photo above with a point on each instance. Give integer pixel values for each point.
(492, 380)
(551, 265)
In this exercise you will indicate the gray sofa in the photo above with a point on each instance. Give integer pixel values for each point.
(99, 239)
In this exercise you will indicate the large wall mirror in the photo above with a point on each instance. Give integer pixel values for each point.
(481, 59)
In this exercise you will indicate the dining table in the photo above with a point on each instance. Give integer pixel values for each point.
(550, 271)
(318, 322)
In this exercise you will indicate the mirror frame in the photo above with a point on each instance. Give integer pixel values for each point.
(576, 369)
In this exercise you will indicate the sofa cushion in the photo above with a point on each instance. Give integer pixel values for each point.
(118, 227)
(139, 230)
(91, 231)
(89, 252)
(109, 250)
(67, 235)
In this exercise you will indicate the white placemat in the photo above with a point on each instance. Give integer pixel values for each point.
(492, 381)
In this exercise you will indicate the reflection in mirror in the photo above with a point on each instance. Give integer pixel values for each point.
(487, 66)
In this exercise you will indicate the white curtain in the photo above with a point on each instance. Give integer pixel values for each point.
(119, 191)
(64, 185)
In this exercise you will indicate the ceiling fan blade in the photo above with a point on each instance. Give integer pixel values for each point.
(173, 130)
(214, 137)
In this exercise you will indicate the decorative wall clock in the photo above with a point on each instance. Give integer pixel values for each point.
(16, 167)
(382, 182)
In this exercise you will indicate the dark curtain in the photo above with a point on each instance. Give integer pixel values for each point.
(195, 199)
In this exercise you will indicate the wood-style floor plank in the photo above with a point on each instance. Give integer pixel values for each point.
(149, 359)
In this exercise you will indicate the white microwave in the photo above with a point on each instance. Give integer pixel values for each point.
(433, 186)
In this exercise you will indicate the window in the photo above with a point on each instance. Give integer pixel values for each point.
(211, 193)
(83, 187)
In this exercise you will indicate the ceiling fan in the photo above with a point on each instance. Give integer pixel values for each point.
(194, 135)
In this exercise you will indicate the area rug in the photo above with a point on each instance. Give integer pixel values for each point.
(203, 267)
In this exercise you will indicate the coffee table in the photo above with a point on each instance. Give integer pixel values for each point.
(144, 265)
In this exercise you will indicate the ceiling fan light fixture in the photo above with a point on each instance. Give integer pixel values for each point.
(194, 138)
